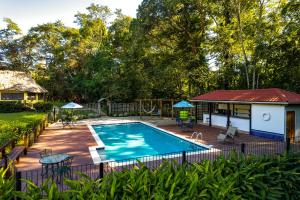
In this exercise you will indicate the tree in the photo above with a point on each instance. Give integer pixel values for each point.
(10, 57)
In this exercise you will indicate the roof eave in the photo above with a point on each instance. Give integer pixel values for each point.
(242, 102)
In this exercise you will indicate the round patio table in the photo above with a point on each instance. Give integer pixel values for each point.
(53, 160)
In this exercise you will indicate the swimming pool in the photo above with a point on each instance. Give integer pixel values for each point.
(133, 140)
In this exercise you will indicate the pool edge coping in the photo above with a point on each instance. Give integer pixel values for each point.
(96, 157)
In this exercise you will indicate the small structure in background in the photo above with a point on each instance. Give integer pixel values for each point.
(20, 86)
(185, 120)
(270, 113)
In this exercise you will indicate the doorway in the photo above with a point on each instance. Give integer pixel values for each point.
(290, 125)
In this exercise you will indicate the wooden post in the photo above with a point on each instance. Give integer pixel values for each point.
(172, 102)
(35, 133)
(3, 153)
(4, 156)
(228, 115)
(161, 107)
(44, 124)
(25, 138)
(54, 114)
(150, 107)
(140, 108)
(210, 111)
(109, 104)
(196, 112)
(250, 119)
(13, 144)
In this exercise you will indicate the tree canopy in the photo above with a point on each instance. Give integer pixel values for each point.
(172, 49)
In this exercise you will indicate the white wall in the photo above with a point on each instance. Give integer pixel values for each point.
(296, 108)
(276, 124)
(218, 120)
(240, 123)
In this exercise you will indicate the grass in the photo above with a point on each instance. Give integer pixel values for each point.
(14, 125)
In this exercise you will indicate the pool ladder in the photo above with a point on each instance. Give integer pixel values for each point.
(196, 134)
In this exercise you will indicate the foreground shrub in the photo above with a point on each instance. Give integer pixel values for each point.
(6, 185)
(43, 106)
(233, 178)
(13, 106)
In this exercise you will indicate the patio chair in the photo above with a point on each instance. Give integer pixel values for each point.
(45, 168)
(45, 152)
(65, 169)
(65, 120)
(187, 125)
(228, 136)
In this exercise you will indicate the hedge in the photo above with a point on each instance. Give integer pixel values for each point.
(13, 106)
(15, 125)
(43, 106)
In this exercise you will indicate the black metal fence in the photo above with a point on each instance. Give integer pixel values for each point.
(96, 171)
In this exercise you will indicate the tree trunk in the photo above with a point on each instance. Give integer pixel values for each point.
(253, 78)
(242, 44)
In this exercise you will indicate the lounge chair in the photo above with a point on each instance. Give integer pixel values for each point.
(228, 136)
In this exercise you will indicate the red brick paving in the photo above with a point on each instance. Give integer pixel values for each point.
(74, 140)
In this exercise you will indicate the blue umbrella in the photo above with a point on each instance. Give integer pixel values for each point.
(183, 104)
(72, 105)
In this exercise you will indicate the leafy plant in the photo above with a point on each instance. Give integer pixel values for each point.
(236, 177)
(6, 185)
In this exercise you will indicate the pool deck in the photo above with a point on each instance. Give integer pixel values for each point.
(209, 135)
(74, 140)
(77, 139)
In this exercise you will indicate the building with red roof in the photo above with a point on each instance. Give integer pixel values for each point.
(271, 113)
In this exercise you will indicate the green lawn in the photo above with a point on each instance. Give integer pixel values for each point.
(14, 125)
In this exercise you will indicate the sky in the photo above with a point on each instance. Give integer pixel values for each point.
(29, 13)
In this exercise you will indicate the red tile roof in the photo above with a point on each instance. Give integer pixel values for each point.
(271, 95)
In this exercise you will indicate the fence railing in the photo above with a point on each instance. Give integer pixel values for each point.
(89, 110)
(96, 171)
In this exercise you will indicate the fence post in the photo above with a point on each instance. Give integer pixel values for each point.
(243, 145)
(183, 157)
(288, 145)
(54, 114)
(18, 181)
(101, 171)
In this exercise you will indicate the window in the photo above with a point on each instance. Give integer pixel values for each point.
(31, 96)
(41, 96)
(236, 110)
(12, 96)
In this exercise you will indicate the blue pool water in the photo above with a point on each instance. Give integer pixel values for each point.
(132, 140)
